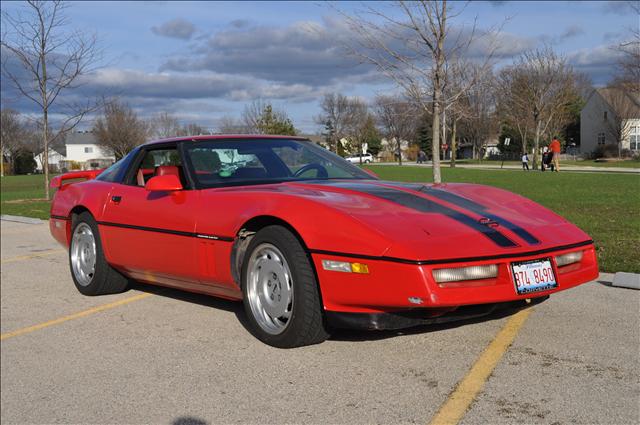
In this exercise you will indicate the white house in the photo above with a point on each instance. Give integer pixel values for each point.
(608, 114)
(54, 159)
(81, 151)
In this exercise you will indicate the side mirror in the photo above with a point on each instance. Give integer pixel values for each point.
(166, 183)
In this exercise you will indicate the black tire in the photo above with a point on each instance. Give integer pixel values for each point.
(105, 279)
(305, 325)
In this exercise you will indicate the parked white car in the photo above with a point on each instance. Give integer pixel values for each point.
(355, 159)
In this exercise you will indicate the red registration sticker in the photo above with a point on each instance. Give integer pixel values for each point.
(533, 276)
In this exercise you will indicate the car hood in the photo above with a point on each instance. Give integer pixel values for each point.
(445, 221)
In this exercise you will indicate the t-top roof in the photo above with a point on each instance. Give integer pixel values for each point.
(224, 137)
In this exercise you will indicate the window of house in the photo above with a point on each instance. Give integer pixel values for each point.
(88, 150)
(601, 139)
(634, 137)
(605, 115)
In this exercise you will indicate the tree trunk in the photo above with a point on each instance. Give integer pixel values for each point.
(435, 137)
(400, 151)
(452, 164)
(536, 145)
(45, 155)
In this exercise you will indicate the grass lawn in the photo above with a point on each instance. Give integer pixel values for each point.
(20, 196)
(606, 206)
(630, 163)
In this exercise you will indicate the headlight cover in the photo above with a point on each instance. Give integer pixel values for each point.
(465, 273)
(569, 258)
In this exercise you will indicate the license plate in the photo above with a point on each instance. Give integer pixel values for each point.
(533, 276)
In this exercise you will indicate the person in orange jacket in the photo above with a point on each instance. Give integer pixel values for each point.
(554, 147)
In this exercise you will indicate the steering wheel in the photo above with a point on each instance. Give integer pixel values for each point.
(322, 172)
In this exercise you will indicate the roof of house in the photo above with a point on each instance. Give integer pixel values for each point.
(80, 138)
(624, 101)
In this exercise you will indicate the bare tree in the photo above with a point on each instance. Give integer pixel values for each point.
(339, 115)
(415, 50)
(624, 110)
(165, 125)
(477, 111)
(43, 62)
(397, 117)
(119, 129)
(539, 86)
(14, 136)
(251, 115)
(358, 125)
(231, 125)
(192, 129)
(628, 66)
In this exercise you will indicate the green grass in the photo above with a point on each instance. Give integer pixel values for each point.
(606, 206)
(26, 189)
(629, 163)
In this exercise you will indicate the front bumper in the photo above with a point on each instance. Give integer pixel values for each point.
(392, 287)
(421, 316)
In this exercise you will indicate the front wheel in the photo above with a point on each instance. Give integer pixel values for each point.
(91, 273)
(281, 296)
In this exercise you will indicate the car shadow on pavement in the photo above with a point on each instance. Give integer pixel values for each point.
(200, 299)
(373, 335)
(353, 335)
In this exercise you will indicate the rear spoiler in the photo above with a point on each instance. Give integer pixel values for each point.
(58, 181)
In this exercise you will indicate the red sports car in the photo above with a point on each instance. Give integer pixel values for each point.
(308, 241)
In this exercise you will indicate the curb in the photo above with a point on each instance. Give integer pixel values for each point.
(20, 219)
(626, 280)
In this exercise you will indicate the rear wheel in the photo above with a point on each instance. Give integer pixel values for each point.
(281, 296)
(89, 269)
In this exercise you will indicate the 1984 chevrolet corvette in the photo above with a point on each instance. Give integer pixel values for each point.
(308, 241)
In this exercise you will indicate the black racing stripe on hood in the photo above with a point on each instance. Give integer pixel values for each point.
(470, 205)
(421, 204)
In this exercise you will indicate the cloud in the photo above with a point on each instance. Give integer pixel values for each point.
(176, 28)
(599, 63)
(307, 53)
(572, 31)
(203, 85)
(621, 7)
(240, 23)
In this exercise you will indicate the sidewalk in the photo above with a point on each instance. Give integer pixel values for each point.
(496, 166)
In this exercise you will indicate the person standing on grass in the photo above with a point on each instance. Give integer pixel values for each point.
(525, 162)
(554, 149)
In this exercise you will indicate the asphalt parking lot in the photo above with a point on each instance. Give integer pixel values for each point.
(160, 356)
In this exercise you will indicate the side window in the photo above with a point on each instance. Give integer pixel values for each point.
(158, 162)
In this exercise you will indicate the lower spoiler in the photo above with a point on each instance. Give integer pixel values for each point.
(58, 181)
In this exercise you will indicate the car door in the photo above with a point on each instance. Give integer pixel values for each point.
(150, 235)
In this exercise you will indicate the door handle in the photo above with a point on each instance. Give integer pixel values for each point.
(116, 199)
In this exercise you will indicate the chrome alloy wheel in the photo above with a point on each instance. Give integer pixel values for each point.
(270, 288)
(83, 254)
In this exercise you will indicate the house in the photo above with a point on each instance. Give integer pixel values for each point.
(56, 154)
(610, 115)
(81, 152)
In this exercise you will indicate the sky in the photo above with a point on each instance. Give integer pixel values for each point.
(202, 61)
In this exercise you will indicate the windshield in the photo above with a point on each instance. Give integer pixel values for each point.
(226, 162)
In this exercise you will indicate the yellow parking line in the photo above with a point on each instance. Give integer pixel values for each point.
(455, 407)
(73, 316)
(34, 255)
